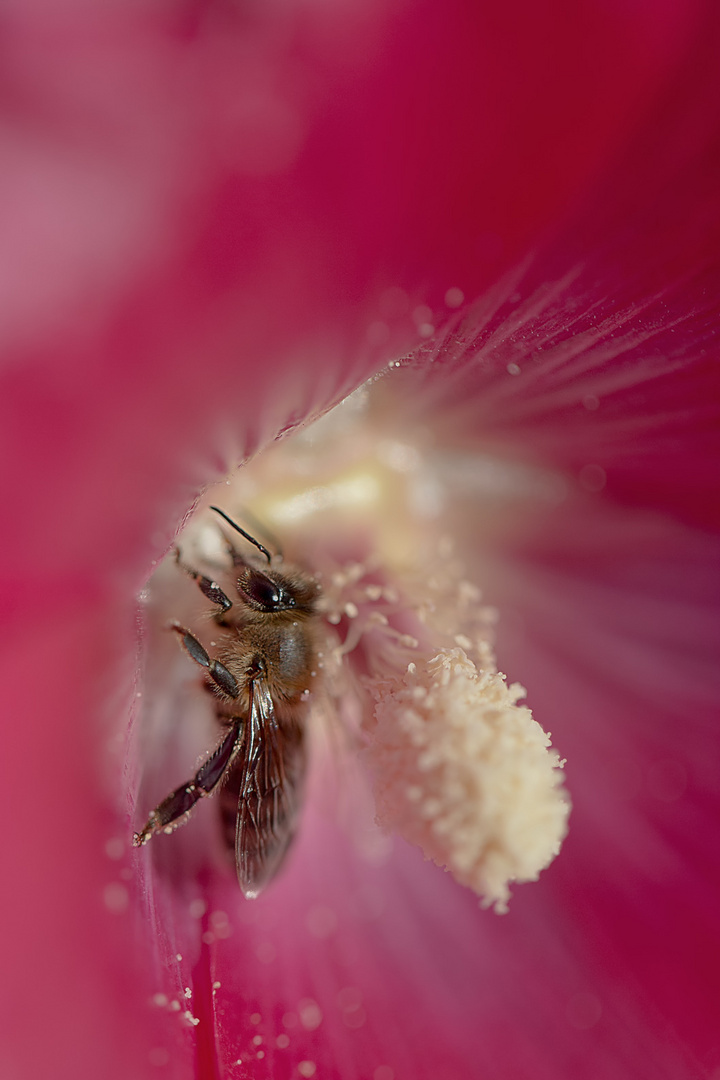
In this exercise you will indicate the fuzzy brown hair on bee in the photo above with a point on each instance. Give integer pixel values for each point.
(260, 680)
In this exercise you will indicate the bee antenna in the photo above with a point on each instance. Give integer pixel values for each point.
(242, 532)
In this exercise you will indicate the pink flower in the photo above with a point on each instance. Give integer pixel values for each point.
(210, 214)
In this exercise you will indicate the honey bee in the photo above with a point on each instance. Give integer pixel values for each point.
(261, 682)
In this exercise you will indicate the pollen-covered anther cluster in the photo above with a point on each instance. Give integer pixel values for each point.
(465, 772)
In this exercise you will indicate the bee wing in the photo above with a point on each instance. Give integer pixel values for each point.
(272, 775)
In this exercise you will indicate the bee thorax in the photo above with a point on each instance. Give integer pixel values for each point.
(284, 657)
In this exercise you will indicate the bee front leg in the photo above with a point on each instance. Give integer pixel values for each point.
(219, 674)
(207, 587)
(168, 814)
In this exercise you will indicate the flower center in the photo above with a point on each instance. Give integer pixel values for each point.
(459, 767)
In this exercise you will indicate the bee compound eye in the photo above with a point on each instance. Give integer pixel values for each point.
(262, 591)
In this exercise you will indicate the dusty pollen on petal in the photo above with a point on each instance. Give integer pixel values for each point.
(465, 772)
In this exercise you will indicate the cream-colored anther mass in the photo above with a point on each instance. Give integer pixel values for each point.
(464, 772)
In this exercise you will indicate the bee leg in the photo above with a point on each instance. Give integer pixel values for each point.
(180, 802)
(219, 674)
(207, 587)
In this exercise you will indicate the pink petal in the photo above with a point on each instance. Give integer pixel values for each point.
(182, 282)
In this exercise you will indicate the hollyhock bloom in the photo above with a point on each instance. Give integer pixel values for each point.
(220, 220)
